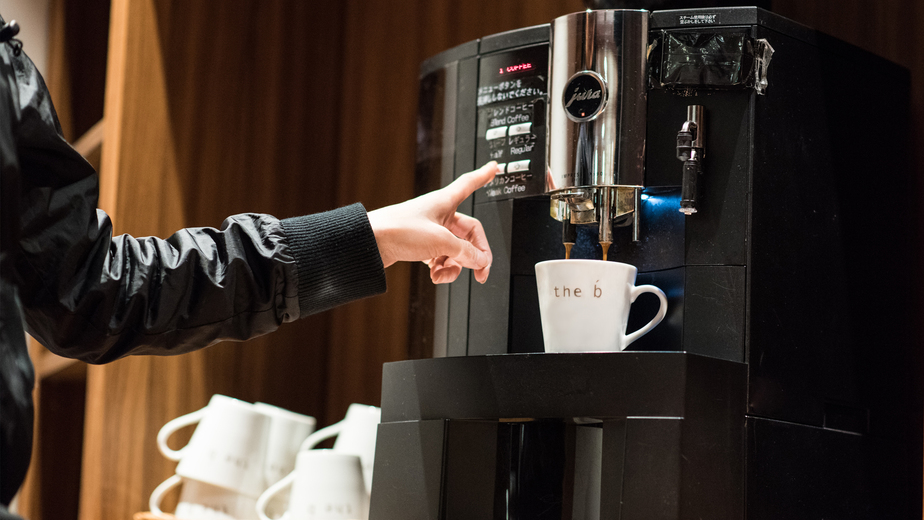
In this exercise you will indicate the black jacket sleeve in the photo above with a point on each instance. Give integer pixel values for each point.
(92, 296)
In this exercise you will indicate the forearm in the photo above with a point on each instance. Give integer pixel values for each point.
(98, 298)
(202, 285)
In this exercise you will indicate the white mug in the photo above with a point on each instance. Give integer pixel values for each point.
(201, 501)
(228, 447)
(584, 305)
(286, 433)
(355, 435)
(326, 485)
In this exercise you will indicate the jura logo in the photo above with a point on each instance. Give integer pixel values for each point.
(581, 96)
(584, 96)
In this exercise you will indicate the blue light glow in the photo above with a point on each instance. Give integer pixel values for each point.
(669, 199)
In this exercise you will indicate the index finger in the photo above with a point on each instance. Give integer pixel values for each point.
(470, 229)
(465, 185)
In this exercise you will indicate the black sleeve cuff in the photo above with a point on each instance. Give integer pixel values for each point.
(337, 257)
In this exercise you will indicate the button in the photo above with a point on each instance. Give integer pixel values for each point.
(522, 128)
(518, 166)
(500, 168)
(496, 133)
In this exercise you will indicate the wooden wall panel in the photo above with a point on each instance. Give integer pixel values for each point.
(212, 109)
(384, 44)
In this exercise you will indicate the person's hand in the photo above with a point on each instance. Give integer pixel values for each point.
(428, 229)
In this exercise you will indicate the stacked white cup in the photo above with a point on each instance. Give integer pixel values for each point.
(331, 484)
(237, 451)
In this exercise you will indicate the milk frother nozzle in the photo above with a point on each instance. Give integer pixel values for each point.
(690, 151)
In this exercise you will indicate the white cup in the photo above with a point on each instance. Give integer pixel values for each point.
(228, 448)
(584, 305)
(326, 485)
(201, 501)
(286, 433)
(355, 435)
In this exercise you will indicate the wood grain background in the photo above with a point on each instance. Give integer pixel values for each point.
(290, 107)
(283, 107)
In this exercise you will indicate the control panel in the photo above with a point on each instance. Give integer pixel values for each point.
(512, 113)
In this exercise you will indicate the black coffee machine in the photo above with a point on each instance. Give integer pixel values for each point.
(753, 169)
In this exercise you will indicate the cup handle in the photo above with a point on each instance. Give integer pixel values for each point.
(161, 490)
(272, 491)
(324, 433)
(171, 427)
(662, 310)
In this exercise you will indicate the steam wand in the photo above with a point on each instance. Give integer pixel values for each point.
(690, 151)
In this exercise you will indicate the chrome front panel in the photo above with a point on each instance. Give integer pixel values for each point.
(606, 148)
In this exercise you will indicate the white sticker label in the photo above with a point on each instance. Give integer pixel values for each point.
(698, 19)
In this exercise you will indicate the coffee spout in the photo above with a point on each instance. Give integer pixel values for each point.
(607, 207)
(568, 236)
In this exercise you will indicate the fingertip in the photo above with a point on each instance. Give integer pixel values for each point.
(444, 274)
(482, 259)
(481, 275)
(472, 181)
(491, 168)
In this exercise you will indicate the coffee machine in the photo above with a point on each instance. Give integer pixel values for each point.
(753, 169)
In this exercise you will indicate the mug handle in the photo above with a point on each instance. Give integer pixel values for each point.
(161, 490)
(323, 434)
(272, 491)
(171, 427)
(662, 310)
